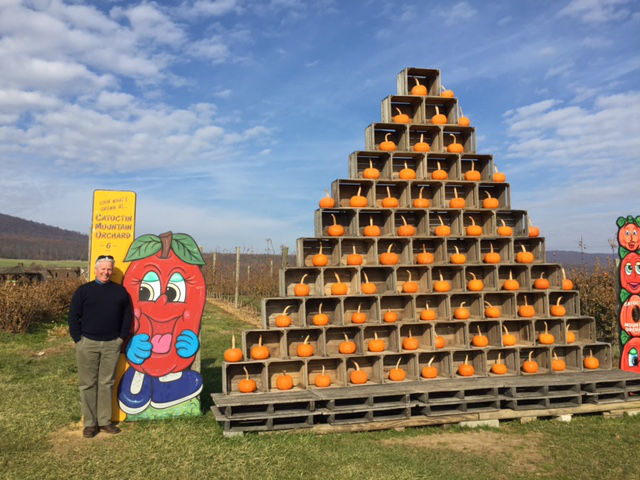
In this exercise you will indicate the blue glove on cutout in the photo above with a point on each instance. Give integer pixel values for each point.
(187, 344)
(139, 349)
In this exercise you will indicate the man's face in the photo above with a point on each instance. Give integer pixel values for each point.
(104, 270)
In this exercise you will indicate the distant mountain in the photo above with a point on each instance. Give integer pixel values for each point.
(21, 238)
(570, 259)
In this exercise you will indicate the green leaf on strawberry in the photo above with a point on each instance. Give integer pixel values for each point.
(186, 249)
(142, 247)
(624, 337)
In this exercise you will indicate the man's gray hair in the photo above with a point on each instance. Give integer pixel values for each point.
(105, 258)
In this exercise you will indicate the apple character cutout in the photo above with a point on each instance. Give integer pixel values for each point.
(629, 359)
(630, 273)
(168, 292)
(630, 316)
(628, 234)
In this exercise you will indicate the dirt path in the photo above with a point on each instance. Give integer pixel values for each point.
(246, 315)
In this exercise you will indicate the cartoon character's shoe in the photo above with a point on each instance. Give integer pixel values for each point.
(134, 394)
(175, 388)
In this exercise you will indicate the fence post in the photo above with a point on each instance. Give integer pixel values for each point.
(270, 267)
(285, 255)
(235, 299)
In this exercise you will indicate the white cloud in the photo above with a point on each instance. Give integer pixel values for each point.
(596, 11)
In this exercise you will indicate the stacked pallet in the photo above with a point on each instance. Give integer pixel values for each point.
(420, 263)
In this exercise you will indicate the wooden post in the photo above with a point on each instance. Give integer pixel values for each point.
(270, 267)
(235, 299)
(285, 255)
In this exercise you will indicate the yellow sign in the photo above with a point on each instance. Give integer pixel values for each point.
(112, 228)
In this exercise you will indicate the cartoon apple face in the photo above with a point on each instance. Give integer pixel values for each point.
(630, 273)
(629, 236)
(168, 296)
(630, 358)
(630, 316)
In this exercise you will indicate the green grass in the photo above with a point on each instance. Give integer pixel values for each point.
(12, 262)
(39, 434)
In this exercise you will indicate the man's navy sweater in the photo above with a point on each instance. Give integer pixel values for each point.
(100, 311)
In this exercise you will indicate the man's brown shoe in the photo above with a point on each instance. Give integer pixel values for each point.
(110, 429)
(89, 432)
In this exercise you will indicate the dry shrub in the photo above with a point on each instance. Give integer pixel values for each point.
(598, 298)
(23, 305)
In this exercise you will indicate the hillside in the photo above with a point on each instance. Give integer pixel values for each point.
(21, 238)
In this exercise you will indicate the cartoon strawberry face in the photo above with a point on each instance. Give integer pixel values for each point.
(629, 236)
(630, 316)
(630, 273)
(630, 358)
(168, 292)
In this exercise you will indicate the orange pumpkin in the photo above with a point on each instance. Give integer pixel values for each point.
(407, 173)
(591, 362)
(511, 283)
(320, 319)
(439, 173)
(462, 312)
(371, 173)
(442, 230)
(545, 337)
(305, 349)
(424, 257)
(466, 369)
(347, 347)
(259, 352)
(473, 230)
(462, 120)
(480, 340)
(284, 381)
(421, 202)
(358, 316)
(401, 117)
(322, 380)
(387, 145)
(454, 147)
(327, 201)
(357, 200)
(389, 201)
(339, 288)
(429, 371)
(490, 202)
(526, 310)
(557, 364)
(376, 344)
(498, 367)
(418, 88)
(358, 376)
(397, 374)
(371, 230)
(504, 230)
(533, 230)
(441, 285)
(389, 257)
(475, 284)
(335, 230)
(438, 341)
(410, 342)
(491, 256)
(566, 283)
(247, 385)
(457, 202)
(421, 146)
(410, 286)
(301, 289)
(473, 175)
(233, 354)
(524, 256)
(570, 336)
(354, 258)
(439, 118)
(491, 311)
(558, 310)
(445, 92)
(283, 320)
(530, 365)
(457, 258)
(390, 316)
(541, 283)
(428, 313)
(406, 230)
(368, 288)
(320, 259)
(508, 339)
(498, 177)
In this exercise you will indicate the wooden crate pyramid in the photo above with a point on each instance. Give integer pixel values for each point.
(419, 242)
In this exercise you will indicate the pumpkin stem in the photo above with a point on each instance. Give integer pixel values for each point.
(326, 192)
(320, 308)
(286, 309)
(506, 330)
(303, 277)
(437, 110)
(462, 304)
(417, 85)
(511, 278)
(306, 340)
(354, 249)
(487, 304)
(438, 163)
(404, 220)
(523, 248)
(529, 222)
(389, 248)
(399, 111)
(456, 249)
(366, 279)
(486, 192)
(370, 166)
(558, 301)
(555, 355)
(473, 222)
(530, 353)
(479, 332)
(454, 137)
(323, 370)
(466, 359)
(499, 359)
(233, 341)
(359, 190)
(431, 361)
(473, 165)
(260, 341)
(346, 339)
(388, 192)
(474, 276)
(525, 301)
(441, 279)
(546, 328)
(398, 363)
(356, 364)
(337, 277)
(409, 272)
(409, 333)
(564, 275)
(386, 137)
(359, 306)
(590, 353)
(422, 138)
(405, 165)
(441, 222)
(335, 222)
(490, 246)
(320, 252)
(370, 223)
(246, 372)
(455, 191)
(426, 305)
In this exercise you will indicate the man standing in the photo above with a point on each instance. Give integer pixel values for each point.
(99, 322)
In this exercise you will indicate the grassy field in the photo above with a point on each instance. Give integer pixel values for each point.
(12, 262)
(40, 434)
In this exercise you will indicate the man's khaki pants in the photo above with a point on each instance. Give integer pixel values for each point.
(97, 363)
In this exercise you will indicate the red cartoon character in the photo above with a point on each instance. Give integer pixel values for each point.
(629, 360)
(628, 234)
(630, 316)
(168, 292)
(630, 273)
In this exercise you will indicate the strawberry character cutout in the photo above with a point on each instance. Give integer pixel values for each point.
(628, 234)
(168, 292)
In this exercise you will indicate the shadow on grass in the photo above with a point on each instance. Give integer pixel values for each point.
(212, 379)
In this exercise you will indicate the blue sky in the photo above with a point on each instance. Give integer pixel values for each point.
(230, 118)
